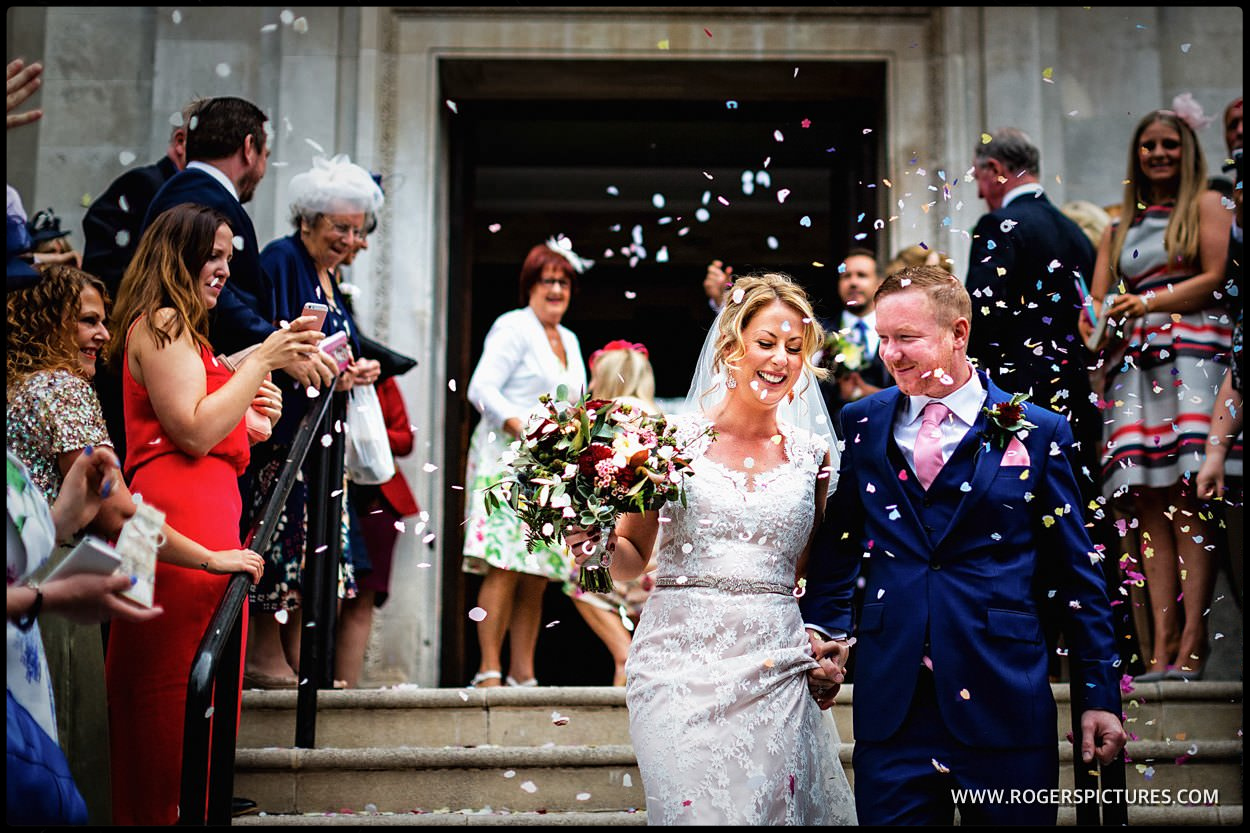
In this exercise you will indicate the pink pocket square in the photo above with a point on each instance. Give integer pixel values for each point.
(1016, 454)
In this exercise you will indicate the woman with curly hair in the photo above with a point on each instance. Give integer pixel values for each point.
(187, 444)
(55, 333)
(1163, 260)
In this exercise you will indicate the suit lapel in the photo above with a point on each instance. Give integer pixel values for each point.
(879, 434)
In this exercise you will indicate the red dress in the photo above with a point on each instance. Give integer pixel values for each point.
(148, 664)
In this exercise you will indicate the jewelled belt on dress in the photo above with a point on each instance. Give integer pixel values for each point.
(731, 585)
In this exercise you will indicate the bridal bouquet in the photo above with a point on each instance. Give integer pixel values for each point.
(841, 355)
(584, 464)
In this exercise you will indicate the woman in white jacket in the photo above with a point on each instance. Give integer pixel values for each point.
(527, 353)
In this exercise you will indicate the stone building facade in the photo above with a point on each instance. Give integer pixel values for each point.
(387, 84)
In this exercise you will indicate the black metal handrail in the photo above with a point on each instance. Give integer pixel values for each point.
(1106, 779)
(213, 684)
(320, 575)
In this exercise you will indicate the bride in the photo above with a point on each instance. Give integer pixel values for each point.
(723, 726)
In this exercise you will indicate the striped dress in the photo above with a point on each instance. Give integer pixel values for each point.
(1163, 378)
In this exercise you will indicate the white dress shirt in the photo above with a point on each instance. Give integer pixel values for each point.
(1020, 191)
(215, 173)
(518, 365)
(964, 403)
(870, 321)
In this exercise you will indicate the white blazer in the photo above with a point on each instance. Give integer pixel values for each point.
(518, 365)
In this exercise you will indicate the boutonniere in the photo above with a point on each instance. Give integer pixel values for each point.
(1006, 419)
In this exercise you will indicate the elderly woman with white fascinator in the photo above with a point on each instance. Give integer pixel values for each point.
(332, 205)
(527, 353)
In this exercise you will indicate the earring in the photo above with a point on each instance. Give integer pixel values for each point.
(790, 396)
(730, 381)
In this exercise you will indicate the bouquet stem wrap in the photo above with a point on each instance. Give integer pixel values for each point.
(595, 576)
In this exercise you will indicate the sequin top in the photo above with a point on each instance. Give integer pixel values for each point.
(50, 413)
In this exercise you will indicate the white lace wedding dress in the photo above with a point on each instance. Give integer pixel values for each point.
(723, 726)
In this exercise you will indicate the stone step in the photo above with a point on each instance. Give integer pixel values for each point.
(605, 778)
(457, 818)
(561, 753)
(1171, 816)
(414, 716)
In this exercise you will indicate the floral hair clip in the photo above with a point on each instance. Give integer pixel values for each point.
(1190, 112)
(564, 248)
(619, 344)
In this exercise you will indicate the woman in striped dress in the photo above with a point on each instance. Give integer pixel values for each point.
(1164, 359)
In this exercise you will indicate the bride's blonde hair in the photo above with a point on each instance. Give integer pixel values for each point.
(757, 292)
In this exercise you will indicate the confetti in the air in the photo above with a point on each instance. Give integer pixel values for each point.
(300, 26)
(125, 157)
(451, 105)
(176, 17)
(477, 614)
(223, 70)
(805, 221)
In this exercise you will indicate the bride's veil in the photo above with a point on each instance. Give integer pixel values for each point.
(807, 410)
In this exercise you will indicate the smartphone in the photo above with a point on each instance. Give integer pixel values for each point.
(336, 345)
(317, 311)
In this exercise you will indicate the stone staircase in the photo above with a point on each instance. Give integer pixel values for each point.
(562, 756)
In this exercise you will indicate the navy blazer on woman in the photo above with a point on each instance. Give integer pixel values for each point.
(1002, 538)
(245, 311)
(295, 283)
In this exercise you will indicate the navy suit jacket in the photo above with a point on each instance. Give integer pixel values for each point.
(120, 209)
(973, 589)
(246, 308)
(1025, 306)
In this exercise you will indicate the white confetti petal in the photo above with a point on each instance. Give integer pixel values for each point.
(125, 157)
(477, 614)
(300, 26)
(223, 70)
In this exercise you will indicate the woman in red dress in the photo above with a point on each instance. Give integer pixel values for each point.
(186, 446)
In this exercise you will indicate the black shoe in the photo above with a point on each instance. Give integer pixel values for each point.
(241, 806)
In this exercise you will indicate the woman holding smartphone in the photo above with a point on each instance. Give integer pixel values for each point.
(331, 205)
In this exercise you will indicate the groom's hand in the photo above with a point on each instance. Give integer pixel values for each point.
(825, 681)
(1102, 736)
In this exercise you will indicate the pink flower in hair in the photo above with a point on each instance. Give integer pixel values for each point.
(1190, 110)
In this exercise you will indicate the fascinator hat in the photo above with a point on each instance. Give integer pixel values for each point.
(335, 185)
(564, 248)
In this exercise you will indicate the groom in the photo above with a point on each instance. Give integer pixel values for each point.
(961, 531)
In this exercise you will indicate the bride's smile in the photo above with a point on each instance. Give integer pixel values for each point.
(773, 346)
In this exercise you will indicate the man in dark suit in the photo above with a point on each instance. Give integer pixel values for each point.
(960, 528)
(111, 227)
(112, 224)
(1023, 267)
(858, 279)
(227, 155)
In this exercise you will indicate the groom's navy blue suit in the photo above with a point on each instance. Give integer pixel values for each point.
(957, 574)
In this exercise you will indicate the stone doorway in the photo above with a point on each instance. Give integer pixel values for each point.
(666, 165)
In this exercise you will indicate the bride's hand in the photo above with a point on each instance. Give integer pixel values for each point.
(825, 680)
(584, 542)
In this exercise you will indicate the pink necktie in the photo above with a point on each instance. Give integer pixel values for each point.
(928, 452)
